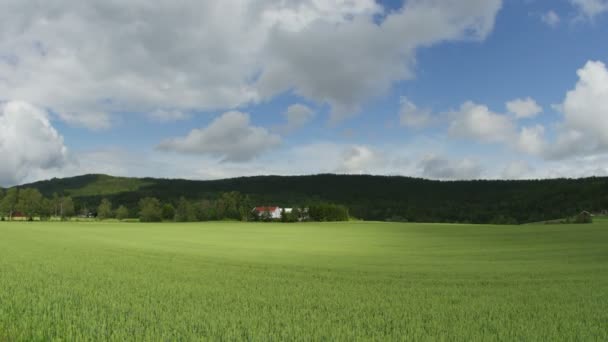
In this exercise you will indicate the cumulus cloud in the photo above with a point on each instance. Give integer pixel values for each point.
(531, 140)
(28, 142)
(297, 116)
(361, 159)
(585, 127)
(551, 18)
(230, 137)
(590, 8)
(371, 56)
(412, 116)
(524, 108)
(88, 60)
(436, 167)
(477, 122)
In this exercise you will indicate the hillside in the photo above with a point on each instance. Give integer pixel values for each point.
(367, 197)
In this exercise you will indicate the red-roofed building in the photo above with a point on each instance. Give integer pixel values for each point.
(274, 212)
(18, 215)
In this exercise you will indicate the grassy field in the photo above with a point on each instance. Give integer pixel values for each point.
(346, 281)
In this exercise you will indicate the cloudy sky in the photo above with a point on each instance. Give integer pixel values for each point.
(441, 89)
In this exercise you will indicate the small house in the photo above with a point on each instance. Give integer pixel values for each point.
(273, 212)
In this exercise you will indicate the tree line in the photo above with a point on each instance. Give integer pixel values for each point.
(30, 203)
(373, 198)
(232, 206)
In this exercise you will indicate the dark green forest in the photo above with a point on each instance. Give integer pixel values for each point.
(384, 198)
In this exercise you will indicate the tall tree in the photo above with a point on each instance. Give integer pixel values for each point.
(122, 213)
(1, 198)
(104, 211)
(56, 202)
(168, 212)
(30, 202)
(149, 210)
(46, 209)
(185, 211)
(9, 202)
(66, 207)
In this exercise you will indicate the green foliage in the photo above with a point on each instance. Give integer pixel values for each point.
(104, 211)
(168, 212)
(9, 203)
(30, 202)
(122, 213)
(320, 282)
(91, 186)
(583, 217)
(150, 210)
(66, 207)
(325, 212)
(46, 209)
(265, 217)
(294, 216)
(377, 198)
(185, 211)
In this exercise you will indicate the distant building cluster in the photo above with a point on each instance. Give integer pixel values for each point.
(272, 212)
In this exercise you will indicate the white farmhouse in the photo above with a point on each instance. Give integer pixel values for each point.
(274, 212)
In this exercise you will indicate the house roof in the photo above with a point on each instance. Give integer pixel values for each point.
(265, 209)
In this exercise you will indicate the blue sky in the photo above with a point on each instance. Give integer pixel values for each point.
(417, 88)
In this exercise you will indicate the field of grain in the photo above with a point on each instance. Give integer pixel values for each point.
(344, 281)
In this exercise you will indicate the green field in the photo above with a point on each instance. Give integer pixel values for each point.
(345, 281)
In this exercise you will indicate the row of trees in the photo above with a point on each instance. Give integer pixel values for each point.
(229, 206)
(30, 203)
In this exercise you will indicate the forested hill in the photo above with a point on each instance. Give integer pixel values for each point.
(367, 197)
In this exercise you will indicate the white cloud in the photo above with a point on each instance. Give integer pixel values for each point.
(551, 19)
(361, 159)
(91, 120)
(436, 167)
(370, 56)
(532, 140)
(230, 137)
(412, 116)
(164, 115)
(88, 60)
(585, 109)
(477, 122)
(524, 108)
(28, 142)
(590, 8)
(517, 170)
(297, 116)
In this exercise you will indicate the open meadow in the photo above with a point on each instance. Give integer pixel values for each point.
(318, 281)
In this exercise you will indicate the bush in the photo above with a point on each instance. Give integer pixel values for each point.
(326, 212)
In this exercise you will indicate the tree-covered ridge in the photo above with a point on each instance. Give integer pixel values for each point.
(366, 197)
(90, 185)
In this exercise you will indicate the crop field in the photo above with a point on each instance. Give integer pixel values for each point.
(344, 281)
